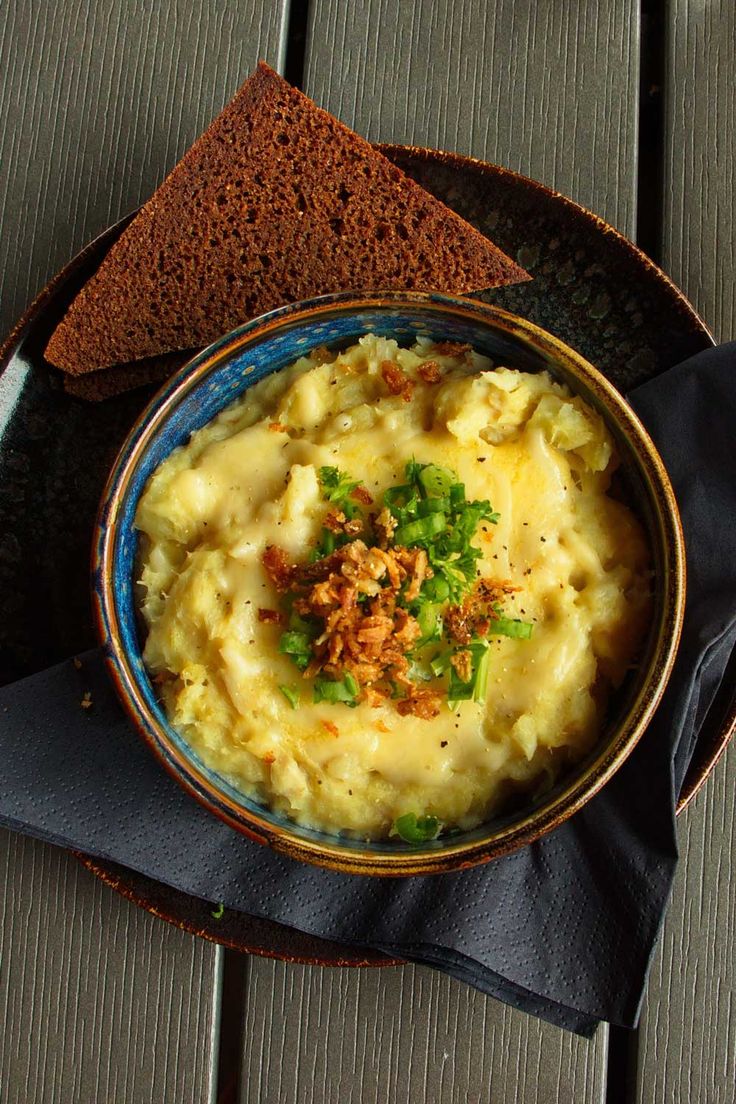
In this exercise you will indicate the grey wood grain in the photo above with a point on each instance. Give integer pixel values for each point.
(326, 1036)
(99, 1001)
(699, 231)
(98, 99)
(687, 1037)
(549, 89)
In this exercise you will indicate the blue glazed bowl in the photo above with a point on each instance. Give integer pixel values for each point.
(218, 376)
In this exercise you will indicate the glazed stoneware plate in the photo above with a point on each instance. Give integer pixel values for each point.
(591, 288)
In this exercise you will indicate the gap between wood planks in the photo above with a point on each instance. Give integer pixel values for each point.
(622, 1044)
(229, 1057)
(650, 166)
(228, 1061)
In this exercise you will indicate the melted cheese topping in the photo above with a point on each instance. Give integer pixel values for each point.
(249, 479)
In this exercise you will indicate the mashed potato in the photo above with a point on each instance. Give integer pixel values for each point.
(250, 479)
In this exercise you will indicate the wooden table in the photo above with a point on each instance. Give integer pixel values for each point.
(628, 108)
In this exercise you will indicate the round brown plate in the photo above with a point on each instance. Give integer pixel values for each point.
(591, 288)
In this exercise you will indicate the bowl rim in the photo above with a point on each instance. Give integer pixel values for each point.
(454, 855)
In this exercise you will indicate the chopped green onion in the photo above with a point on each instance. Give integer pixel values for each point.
(414, 829)
(298, 646)
(218, 912)
(429, 618)
(437, 589)
(402, 501)
(336, 690)
(436, 481)
(481, 677)
(475, 688)
(504, 626)
(423, 529)
(412, 469)
(440, 663)
(458, 690)
(326, 543)
(457, 494)
(431, 511)
(433, 506)
(291, 695)
(294, 643)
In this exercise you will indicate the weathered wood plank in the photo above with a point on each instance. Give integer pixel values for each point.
(325, 1036)
(99, 1001)
(98, 99)
(687, 1038)
(699, 230)
(548, 89)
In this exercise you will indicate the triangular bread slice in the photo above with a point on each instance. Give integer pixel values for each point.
(276, 202)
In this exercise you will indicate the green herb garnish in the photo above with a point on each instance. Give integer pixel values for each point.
(218, 912)
(421, 531)
(336, 690)
(433, 513)
(414, 829)
(435, 480)
(429, 616)
(475, 688)
(505, 626)
(291, 695)
(441, 663)
(297, 645)
(436, 589)
(336, 485)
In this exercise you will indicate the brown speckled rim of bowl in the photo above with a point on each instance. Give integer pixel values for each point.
(500, 839)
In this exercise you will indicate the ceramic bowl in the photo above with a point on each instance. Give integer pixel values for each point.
(221, 374)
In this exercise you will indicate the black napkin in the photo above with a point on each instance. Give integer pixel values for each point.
(564, 928)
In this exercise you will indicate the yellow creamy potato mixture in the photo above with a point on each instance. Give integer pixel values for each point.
(572, 561)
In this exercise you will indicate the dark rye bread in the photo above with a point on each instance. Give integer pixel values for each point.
(276, 202)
